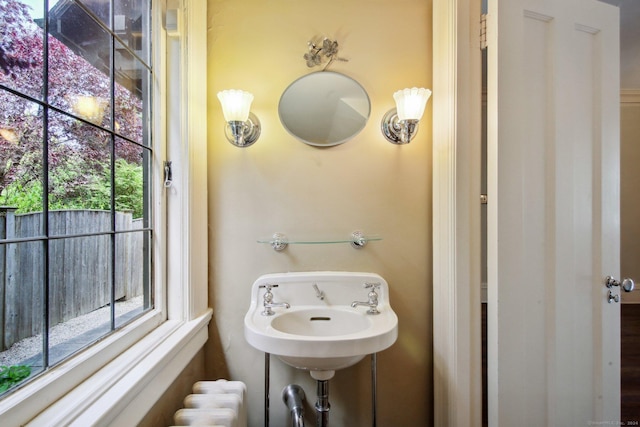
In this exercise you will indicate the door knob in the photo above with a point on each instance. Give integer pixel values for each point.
(627, 284)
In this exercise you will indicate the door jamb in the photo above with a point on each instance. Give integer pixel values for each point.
(457, 363)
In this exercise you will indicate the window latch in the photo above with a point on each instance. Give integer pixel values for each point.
(168, 176)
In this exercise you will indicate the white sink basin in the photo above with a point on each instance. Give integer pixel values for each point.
(320, 335)
(324, 322)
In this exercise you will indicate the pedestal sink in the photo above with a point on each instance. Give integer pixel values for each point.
(318, 329)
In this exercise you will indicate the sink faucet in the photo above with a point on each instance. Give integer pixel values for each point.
(267, 301)
(319, 293)
(372, 302)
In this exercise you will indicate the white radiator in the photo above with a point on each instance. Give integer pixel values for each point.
(218, 403)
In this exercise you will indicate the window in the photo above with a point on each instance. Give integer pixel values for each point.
(75, 177)
(120, 377)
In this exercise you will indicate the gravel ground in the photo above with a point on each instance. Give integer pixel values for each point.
(62, 332)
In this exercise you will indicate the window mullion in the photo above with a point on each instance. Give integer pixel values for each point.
(45, 187)
(112, 66)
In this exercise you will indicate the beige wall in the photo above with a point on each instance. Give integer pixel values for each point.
(282, 185)
(630, 193)
(162, 412)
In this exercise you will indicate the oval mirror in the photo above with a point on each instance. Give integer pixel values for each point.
(324, 108)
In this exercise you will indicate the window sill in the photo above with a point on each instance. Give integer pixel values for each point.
(99, 388)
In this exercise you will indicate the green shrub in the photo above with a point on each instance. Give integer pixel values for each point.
(27, 198)
(70, 188)
(12, 375)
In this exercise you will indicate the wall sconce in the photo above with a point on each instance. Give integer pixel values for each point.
(243, 127)
(400, 124)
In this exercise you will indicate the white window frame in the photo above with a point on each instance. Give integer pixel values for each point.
(117, 380)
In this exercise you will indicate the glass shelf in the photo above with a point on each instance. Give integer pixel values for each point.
(357, 239)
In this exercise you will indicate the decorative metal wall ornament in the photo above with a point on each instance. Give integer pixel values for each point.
(328, 52)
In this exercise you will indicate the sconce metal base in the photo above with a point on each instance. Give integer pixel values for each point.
(243, 134)
(396, 131)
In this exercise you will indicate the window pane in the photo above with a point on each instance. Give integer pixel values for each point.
(131, 24)
(79, 169)
(15, 225)
(79, 65)
(99, 7)
(132, 95)
(21, 48)
(21, 309)
(133, 281)
(79, 293)
(21, 155)
(132, 182)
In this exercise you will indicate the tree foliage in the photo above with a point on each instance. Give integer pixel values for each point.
(12, 15)
(95, 194)
(79, 152)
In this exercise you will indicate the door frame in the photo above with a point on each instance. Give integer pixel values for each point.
(457, 358)
(456, 223)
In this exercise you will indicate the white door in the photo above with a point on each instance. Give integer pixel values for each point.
(553, 212)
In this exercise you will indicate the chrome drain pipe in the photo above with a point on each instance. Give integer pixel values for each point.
(322, 403)
(293, 396)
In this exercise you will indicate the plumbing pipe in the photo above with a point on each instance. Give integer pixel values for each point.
(322, 403)
(293, 396)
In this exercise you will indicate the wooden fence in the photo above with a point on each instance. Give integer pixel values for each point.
(79, 268)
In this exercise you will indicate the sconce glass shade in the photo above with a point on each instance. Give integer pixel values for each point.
(399, 125)
(410, 103)
(236, 104)
(243, 128)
